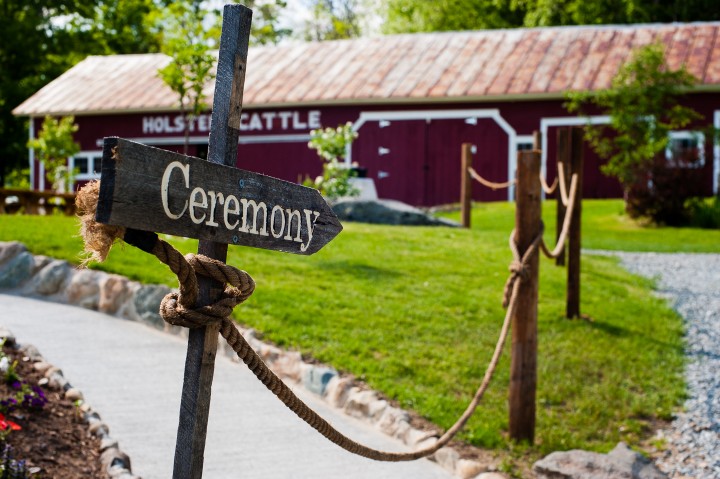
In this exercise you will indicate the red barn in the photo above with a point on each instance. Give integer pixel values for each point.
(414, 99)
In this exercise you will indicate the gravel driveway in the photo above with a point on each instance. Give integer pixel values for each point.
(692, 283)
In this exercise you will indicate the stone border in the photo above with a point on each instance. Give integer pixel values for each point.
(115, 463)
(56, 280)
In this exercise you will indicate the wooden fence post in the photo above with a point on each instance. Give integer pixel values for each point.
(574, 237)
(465, 184)
(523, 368)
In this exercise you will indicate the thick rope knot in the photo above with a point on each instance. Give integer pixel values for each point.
(177, 310)
(519, 266)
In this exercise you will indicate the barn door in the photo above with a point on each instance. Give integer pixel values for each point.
(393, 152)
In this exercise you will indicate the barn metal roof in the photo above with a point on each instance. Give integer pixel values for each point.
(456, 66)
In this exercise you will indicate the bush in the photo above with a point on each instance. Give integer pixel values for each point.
(662, 193)
(331, 144)
(704, 213)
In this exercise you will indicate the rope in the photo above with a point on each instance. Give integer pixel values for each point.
(563, 186)
(178, 309)
(489, 184)
(174, 310)
(549, 190)
(519, 267)
(566, 223)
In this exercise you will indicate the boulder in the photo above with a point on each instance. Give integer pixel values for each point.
(114, 292)
(386, 212)
(51, 278)
(147, 304)
(16, 269)
(621, 463)
(84, 289)
(10, 249)
(316, 378)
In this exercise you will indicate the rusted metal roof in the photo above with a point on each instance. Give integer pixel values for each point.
(457, 66)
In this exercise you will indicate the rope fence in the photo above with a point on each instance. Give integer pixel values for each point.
(179, 309)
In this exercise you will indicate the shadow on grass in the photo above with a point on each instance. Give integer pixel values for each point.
(359, 270)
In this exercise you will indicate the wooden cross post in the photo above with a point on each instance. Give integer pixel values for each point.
(572, 306)
(222, 149)
(146, 189)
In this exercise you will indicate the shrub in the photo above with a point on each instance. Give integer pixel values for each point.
(331, 145)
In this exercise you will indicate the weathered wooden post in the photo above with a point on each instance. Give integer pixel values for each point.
(222, 149)
(148, 190)
(523, 368)
(465, 184)
(572, 309)
(563, 161)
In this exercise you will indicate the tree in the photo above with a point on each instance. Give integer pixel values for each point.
(443, 15)
(187, 42)
(644, 105)
(333, 20)
(53, 146)
(40, 39)
(266, 27)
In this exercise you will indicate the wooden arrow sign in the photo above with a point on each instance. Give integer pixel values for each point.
(150, 189)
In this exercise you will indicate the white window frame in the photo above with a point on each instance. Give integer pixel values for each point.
(686, 135)
(92, 156)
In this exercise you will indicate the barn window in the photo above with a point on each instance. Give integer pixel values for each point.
(686, 149)
(87, 165)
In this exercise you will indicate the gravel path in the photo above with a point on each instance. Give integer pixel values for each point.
(692, 283)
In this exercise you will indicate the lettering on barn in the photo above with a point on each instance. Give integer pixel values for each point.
(156, 190)
(268, 121)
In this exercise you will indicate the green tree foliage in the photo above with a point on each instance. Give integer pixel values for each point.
(40, 39)
(444, 15)
(333, 20)
(644, 105)
(266, 28)
(331, 145)
(53, 146)
(188, 43)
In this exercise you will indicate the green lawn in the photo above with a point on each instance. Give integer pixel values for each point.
(604, 226)
(415, 312)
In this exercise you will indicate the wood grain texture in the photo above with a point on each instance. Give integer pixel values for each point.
(572, 309)
(465, 184)
(523, 362)
(222, 153)
(133, 197)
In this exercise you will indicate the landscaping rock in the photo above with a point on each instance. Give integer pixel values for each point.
(40, 262)
(51, 278)
(620, 463)
(447, 458)
(114, 292)
(467, 469)
(316, 378)
(73, 394)
(491, 475)
(7, 336)
(336, 392)
(10, 249)
(391, 420)
(386, 212)
(358, 402)
(16, 269)
(84, 289)
(147, 304)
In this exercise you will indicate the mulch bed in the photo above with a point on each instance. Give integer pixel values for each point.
(54, 440)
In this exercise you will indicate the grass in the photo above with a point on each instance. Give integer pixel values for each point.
(604, 226)
(415, 312)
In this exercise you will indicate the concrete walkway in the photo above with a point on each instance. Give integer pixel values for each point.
(132, 375)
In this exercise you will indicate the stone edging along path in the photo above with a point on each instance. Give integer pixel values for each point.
(56, 280)
(115, 463)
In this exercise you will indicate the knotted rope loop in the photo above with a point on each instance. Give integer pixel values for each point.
(520, 266)
(178, 310)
